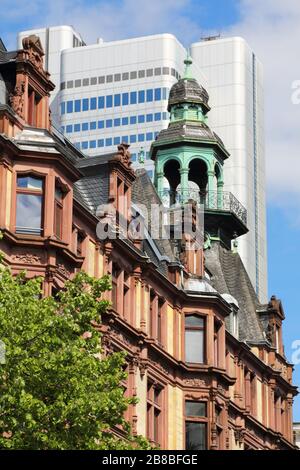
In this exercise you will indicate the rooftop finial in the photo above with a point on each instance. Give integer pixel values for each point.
(188, 62)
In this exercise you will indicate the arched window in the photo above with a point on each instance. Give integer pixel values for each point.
(194, 339)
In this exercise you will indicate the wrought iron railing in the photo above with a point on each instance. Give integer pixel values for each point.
(212, 200)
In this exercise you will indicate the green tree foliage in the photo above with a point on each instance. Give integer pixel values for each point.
(56, 390)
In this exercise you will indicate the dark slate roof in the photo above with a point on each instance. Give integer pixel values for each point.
(6, 56)
(189, 131)
(188, 91)
(229, 276)
(144, 193)
(93, 189)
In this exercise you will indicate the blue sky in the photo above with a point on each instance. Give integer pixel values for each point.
(269, 26)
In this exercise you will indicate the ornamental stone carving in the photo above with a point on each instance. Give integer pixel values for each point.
(27, 259)
(17, 99)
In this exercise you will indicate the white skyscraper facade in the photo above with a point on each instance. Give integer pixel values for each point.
(117, 91)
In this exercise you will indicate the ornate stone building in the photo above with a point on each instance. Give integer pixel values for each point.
(205, 359)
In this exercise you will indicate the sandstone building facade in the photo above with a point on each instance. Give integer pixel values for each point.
(205, 358)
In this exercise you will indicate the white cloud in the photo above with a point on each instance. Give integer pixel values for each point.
(272, 29)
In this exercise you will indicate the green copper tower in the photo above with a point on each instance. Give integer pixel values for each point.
(189, 159)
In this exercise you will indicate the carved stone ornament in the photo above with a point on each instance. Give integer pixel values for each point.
(61, 269)
(195, 382)
(16, 99)
(33, 46)
(27, 258)
(123, 154)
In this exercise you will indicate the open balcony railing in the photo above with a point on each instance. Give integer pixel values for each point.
(212, 201)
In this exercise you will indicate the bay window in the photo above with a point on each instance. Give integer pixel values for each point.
(195, 425)
(29, 205)
(194, 339)
(58, 212)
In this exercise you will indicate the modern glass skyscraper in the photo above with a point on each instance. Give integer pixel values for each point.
(117, 91)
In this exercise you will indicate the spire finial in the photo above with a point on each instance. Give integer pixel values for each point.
(188, 62)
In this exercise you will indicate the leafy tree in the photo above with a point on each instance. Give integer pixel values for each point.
(56, 391)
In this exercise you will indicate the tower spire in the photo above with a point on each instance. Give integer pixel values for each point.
(188, 62)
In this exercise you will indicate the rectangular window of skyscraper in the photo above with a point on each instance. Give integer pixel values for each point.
(69, 106)
(125, 139)
(101, 143)
(76, 127)
(93, 125)
(149, 136)
(109, 101)
(108, 142)
(63, 85)
(100, 124)
(84, 145)
(69, 128)
(109, 78)
(125, 76)
(149, 95)
(124, 121)
(100, 102)
(125, 99)
(133, 97)
(85, 82)
(92, 144)
(117, 77)
(141, 96)
(77, 106)
(93, 103)
(117, 122)
(157, 71)
(133, 157)
(157, 94)
(117, 140)
(173, 72)
(166, 70)
(62, 107)
(157, 116)
(108, 123)
(165, 93)
(195, 425)
(85, 126)
(94, 81)
(165, 116)
(77, 83)
(141, 73)
(85, 104)
(141, 118)
(141, 137)
(132, 139)
(70, 84)
(133, 75)
(149, 72)
(149, 117)
(117, 100)
(101, 80)
(132, 119)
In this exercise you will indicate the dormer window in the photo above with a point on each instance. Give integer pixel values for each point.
(29, 205)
